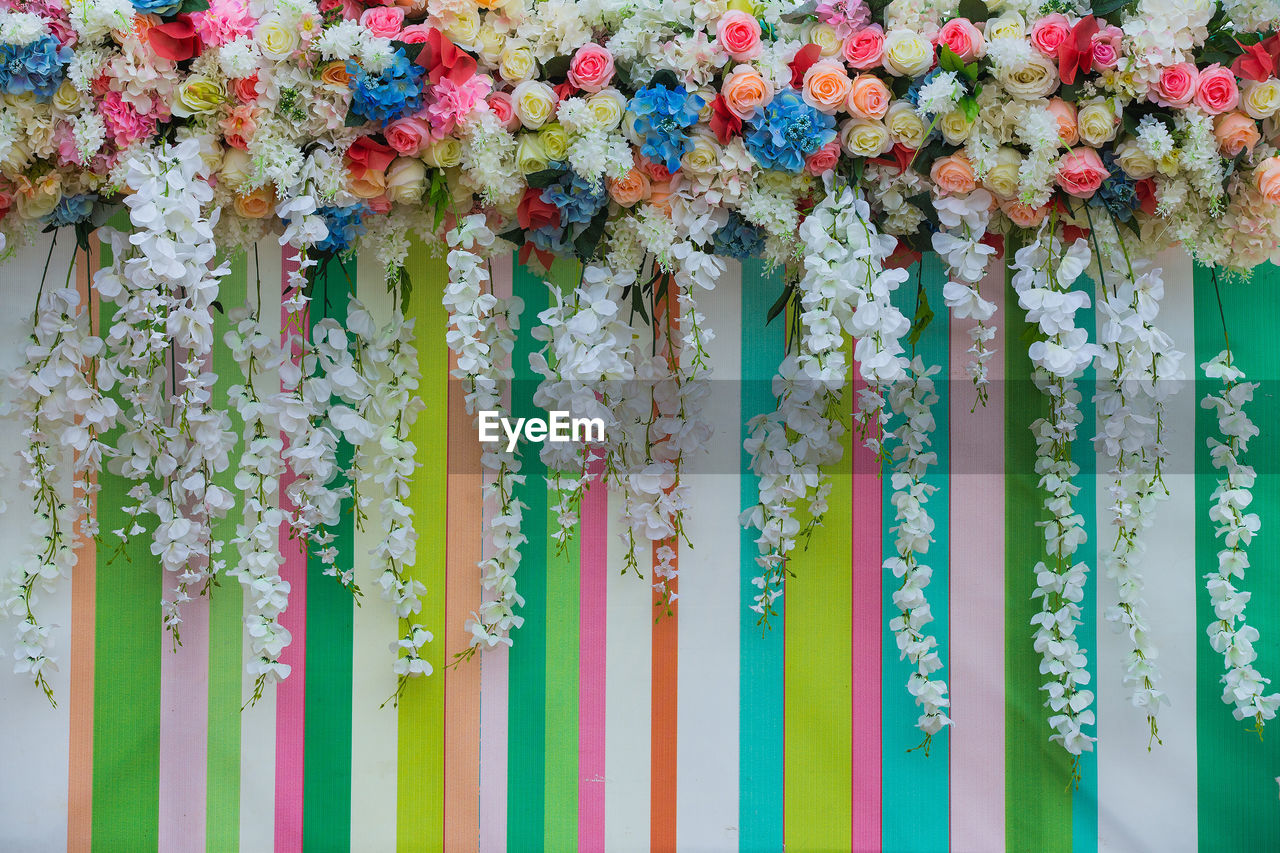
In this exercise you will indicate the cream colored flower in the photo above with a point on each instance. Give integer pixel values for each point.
(1261, 100)
(516, 63)
(905, 124)
(1097, 122)
(1002, 178)
(907, 53)
(861, 137)
(531, 154)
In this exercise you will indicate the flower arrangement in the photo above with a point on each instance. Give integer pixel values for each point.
(836, 139)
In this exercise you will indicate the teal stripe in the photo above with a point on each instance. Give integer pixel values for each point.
(326, 814)
(526, 750)
(905, 825)
(1236, 769)
(760, 689)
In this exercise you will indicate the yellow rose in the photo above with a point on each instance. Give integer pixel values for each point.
(862, 137)
(1036, 79)
(955, 127)
(276, 40)
(1097, 122)
(703, 159)
(1260, 100)
(555, 140)
(1135, 162)
(1009, 25)
(742, 6)
(66, 99)
(534, 103)
(406, 179)
(905, 125)
(237, 166)
(907, 54)
(516, 63)
(37, 198)
(1002, 178)
(825, 37)
(1170, 164)
(531, 155)
(464, 28)
(489, 44)
(607, 106)
(198, 95)
(444, 153)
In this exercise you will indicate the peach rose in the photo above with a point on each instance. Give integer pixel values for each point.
(1080, 172)
(1268, 177)
(953, 175)
(869, 97)
(824, 159)
(744, 90)
(591, 68)
(1024, 215)
(500, 103)
(1065, 114)
(364, 182)
(1235, 132)
(1049, 32)
(826, 86)
(383, 21)
(255, 204)
(664, 192)
(739, 35)
(863, 48)
(1216, 90)
(631, 189)
(963, 38)
(246, 88)
(1176, 86)
(656, 171)
(408, 136)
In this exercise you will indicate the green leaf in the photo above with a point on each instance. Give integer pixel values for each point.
(974, 10)
(189, 6)
(556, 69)
(637, 303)
(354, 119)
(665, 78)
(411, 50)
(924, 316)
(949, 61)
(1106, 7)
(405, 289)
(970, 106)
(543, 179)
(780, 304)
(515, 235)
(588, 241)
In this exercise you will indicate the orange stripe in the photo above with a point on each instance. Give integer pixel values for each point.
(463, 526)
(83, 604)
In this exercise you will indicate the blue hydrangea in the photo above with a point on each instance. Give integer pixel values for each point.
(156, 7)
(738, 238)
(1118, 193)
(787, 131)
(38, 67)
(662, 118)
(550, 239)
(345, 225)
(579, 200)
(385, 97)
(72, 209)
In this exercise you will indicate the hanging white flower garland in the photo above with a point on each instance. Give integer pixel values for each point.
(964, 221)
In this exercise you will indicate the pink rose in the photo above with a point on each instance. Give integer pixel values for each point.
(408, 136)
(963, 38)
(591, 68)
(1106, 48)
(1049, 32)
(739, 35)
(383, 21)
(1176, 86)
(1268, 177)
(824, 159)
(1216, 90)
(1080, 172)
(500, 103)
(864, 47)
(953, 175)
(414, 34)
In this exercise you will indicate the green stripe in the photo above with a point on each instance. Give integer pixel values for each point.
(819, 670)
(1236, 769)
(326, 777)
(1037, 799)
(420, 753)
(126, 678)
(904, 825)
(760, 795)
(526, 753)
(226, 604)
(563, 563)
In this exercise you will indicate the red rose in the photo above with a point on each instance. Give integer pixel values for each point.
(367, 154)
(1256, 64)
(175, 40)
(443, 58)
(725, 123)
(534, 213)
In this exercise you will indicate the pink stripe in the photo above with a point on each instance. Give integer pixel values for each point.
(591, 664)
(184, 714)
(868, 610)
(493, 684)
(976, 648)
(291, 693)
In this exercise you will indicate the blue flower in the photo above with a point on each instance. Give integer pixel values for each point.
(38, 67)
(579, 200)
(345, 225)
(72, 209)
(156, 7)
(385, 97)
(787, 131)
(662, 115)
(738, 238)
(1118, 193)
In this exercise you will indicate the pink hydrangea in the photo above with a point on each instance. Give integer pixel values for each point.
(449, 104)
(845, 16)
(224, 21)
(125, 125)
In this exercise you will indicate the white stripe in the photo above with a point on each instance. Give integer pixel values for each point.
(258, 723)
(707, 715)
(1147, 799)
(628, 697)
(34, 738)
(374, 730)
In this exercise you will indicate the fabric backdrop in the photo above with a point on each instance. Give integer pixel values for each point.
(605, 728)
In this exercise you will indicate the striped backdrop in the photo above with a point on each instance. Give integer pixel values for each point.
(605, 729)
